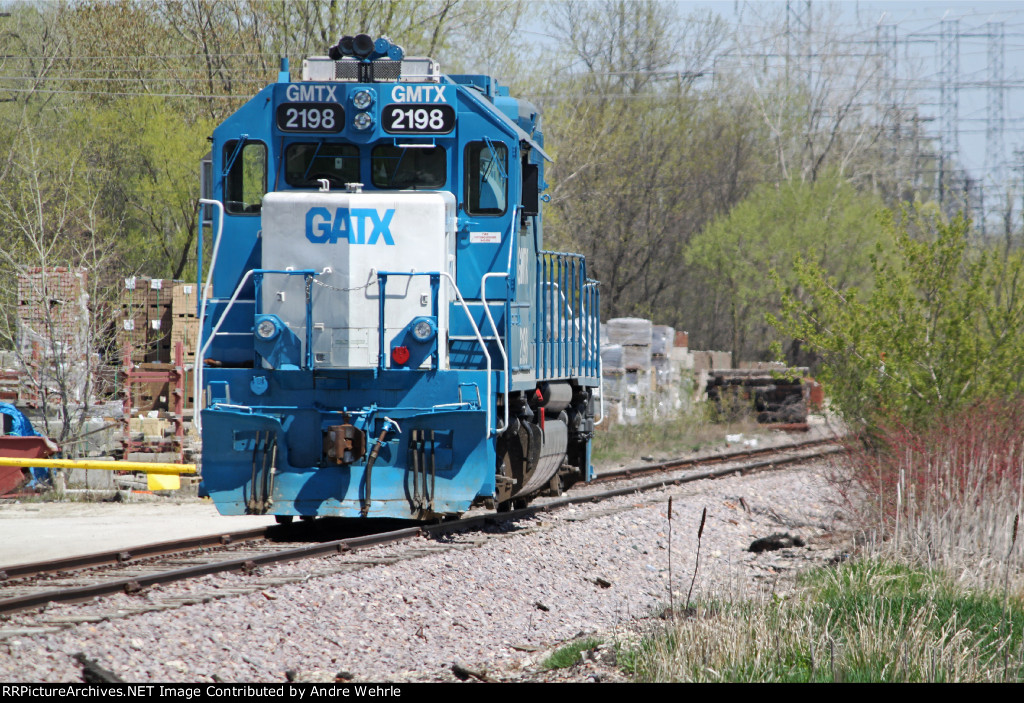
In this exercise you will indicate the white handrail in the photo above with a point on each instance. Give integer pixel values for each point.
(483, 345)
(497, 338)
(476, 330)
(197, 369)
(197, 364)
(486, 309)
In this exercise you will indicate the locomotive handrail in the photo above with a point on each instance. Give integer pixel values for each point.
(600, 362)
(507, 274)
(497, 336)
(198, 363)
(197, 369)
(382, 276)
(565, 325)
(308, 274)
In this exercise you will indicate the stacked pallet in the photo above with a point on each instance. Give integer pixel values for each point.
(155, 314)
(54, 339)
(140, 329)
(184, 320)
(665, 370)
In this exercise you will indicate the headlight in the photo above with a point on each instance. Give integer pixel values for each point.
(363, 121)
(423, 330)
(363, 99)
(266, 329)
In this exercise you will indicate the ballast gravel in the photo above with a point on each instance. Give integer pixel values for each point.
(495, 603)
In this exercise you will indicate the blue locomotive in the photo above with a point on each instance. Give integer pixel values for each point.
(383, 333)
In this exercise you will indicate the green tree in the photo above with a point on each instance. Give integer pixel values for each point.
(826, 221)
(943, 325)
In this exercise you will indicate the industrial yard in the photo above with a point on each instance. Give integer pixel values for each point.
(510, 342)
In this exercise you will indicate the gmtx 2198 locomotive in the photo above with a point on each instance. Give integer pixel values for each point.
(384, 334)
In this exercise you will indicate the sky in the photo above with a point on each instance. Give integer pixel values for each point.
(921, 66)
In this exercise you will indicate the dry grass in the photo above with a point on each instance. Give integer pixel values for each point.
(936, 595)
(946, 497)
(863, 622)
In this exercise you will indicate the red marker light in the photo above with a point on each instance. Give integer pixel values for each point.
(400, 355)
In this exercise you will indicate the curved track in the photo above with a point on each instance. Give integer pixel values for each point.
(90, 576)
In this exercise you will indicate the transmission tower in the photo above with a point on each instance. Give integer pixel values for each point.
(798, 38)
(995, 159)
(949, 102)
(890, 112)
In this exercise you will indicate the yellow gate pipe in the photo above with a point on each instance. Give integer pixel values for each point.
(143, 466)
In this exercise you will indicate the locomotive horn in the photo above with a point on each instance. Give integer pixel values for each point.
(362, 45)
(345, 45)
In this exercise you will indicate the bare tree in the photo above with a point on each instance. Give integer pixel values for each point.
(55, 297)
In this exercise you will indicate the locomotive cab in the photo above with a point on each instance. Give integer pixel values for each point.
(383, 332)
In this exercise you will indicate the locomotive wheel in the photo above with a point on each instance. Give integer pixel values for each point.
(504, 484)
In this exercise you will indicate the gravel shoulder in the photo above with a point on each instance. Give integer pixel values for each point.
(498, 607)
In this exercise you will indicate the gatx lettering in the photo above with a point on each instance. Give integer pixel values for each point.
(353, 225)
(311, 93)
(418, 94)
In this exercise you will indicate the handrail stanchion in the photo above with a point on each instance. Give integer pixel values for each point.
(197, 365)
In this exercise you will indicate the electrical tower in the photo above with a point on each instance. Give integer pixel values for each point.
(949, 103)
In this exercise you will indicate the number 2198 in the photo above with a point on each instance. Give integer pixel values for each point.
(419, 118)
(309, 117)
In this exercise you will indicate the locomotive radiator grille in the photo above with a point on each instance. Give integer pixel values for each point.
(380, 71)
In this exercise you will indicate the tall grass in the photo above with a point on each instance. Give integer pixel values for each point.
(935, 595)
(866, 621)
(945, 496)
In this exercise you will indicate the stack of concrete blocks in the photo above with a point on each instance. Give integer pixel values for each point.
(665, 372)
(705, 361)
(627, 368)
(682, 361)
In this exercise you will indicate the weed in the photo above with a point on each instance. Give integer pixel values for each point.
(945, 496)
(568, 655)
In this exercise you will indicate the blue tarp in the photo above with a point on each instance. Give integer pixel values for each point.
(22, 427)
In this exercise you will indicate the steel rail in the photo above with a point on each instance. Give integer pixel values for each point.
(134, 583)
(129, 554)
(674, 464)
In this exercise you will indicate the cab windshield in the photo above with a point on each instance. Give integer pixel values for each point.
(407, 168)
(307, 164)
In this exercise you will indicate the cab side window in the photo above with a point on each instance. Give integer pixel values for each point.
(246, 181)
(486, 178)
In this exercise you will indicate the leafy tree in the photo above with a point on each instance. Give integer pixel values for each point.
(826, 221)
(942, 327)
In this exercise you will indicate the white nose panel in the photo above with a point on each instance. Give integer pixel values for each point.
(350, 237)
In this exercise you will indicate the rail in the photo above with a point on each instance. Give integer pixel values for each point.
(197, 367)
(309, 273)
(567, 323)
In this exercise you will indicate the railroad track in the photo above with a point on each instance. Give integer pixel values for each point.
(88, 577)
